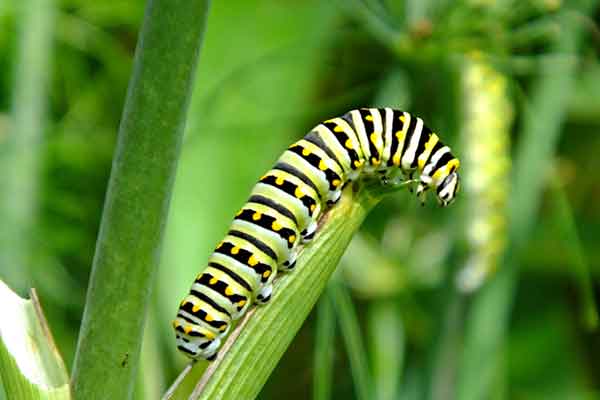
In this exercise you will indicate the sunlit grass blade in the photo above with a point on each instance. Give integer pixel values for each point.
(324, 349)
(351, 333)
(137, 201)
(30, 364)
(579, 262)
(387, 341)
(22, 150)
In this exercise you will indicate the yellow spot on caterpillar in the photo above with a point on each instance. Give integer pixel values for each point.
(256, 216)
(402, 118)
(208, 318)
(369, 118)
(266, 274)
(213, 281)
(228, 291)
(210, 335)
(175, 323)
(223, 327)
(322, 165)
(312, 207)
(375, 161)
(348, 144)
(242, 303)
(396, 159)
(374, 137)
(338, 128)
(187, 329)
(279, 181)
(305, 151)
(235, 250)
(196, 308)
(358, 164)
(336, 182)
(400, 135)
(292, 238)
(252, 261)
(298, 192)
(276, 226)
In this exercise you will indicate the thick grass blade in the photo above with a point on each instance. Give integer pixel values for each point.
(324, 349)
(30, 365)
(136, 206)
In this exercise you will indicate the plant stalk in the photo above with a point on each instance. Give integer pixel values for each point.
(137, 200)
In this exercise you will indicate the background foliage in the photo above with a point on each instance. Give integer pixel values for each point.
(395, 322)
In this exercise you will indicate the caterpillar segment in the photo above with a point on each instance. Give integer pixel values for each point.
(285, 205)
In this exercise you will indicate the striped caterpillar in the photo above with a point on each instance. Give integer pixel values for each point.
(287, 202)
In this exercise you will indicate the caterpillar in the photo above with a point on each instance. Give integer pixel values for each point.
(287, 202)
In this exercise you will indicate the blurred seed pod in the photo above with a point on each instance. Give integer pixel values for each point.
(486, 153)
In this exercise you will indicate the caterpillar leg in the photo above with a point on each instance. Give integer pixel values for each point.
(265, 294)
(309, 233)
(291, 261)
(334, 197)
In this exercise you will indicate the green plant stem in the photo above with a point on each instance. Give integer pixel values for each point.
(20, 155)
(488, 318)
(137, 200)
(240, 372)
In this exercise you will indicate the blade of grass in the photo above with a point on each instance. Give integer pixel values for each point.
(387, 337)
(135, 211)
(30, 364)
(579, 262)
(350, 329)
(324, 349)
(21, 153)
(241, 372)
(488, 319)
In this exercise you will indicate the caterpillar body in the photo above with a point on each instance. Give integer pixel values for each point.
(287, 202)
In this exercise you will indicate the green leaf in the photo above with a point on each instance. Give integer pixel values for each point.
(30, 365)
(137, 202)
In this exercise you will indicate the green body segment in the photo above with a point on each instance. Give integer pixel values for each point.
(287, 202)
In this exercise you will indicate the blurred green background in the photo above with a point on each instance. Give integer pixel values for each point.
(492, 298)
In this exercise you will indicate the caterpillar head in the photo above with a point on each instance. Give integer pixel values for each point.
(446, 187)
(446, 191)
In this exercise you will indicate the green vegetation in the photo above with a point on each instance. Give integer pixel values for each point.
(397, 319)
